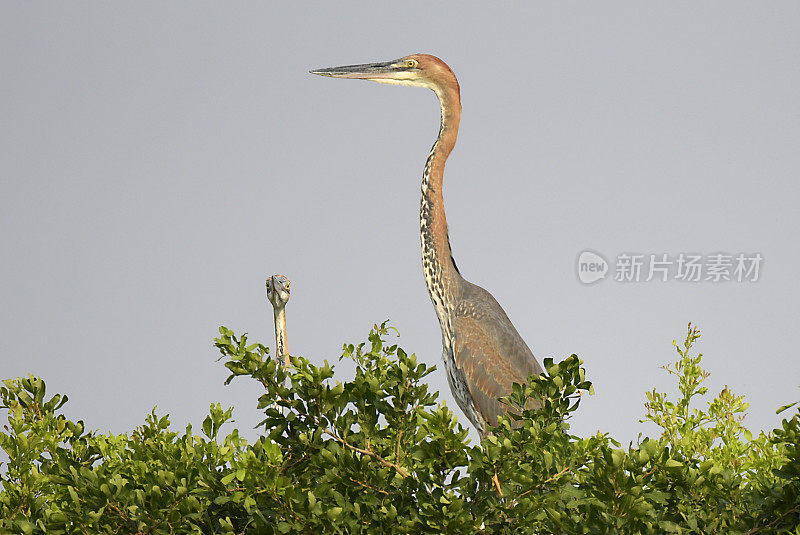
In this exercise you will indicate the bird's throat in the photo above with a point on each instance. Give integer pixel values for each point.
(280, 336)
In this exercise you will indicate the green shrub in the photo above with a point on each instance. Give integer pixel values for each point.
(377, 454)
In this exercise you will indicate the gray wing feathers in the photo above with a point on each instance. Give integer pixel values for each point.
(490, 351)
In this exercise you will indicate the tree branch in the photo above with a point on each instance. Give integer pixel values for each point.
(369, 452)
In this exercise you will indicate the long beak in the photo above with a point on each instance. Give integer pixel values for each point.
(366, 71)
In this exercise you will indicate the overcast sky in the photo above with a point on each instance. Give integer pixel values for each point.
(160, 160)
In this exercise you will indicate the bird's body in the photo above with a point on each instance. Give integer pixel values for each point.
(483, 353)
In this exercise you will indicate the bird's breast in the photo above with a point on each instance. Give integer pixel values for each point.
(460, 389)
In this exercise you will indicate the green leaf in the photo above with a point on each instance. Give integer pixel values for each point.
(26, 527)
(672, 465)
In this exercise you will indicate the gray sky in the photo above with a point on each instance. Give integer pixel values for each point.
(160, 160)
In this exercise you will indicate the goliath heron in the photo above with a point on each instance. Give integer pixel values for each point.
(483, 353)
(278, 295)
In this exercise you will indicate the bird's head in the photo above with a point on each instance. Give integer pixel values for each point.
(278, 290)
(420, 70)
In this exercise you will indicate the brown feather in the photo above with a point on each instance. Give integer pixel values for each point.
(489, 350)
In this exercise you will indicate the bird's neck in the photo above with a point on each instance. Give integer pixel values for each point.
(441, 274)
(280, 335)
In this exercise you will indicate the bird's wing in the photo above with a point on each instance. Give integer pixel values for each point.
(490, 352)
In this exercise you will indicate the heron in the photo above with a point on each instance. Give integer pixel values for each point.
(483, 353)
(278, 295)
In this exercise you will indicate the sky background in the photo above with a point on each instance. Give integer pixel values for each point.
(158, 161)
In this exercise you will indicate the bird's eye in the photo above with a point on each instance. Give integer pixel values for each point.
(411, 63)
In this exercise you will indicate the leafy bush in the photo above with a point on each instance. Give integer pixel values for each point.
(377, 454)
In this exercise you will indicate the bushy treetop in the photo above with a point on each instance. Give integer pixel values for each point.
(378, 454)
